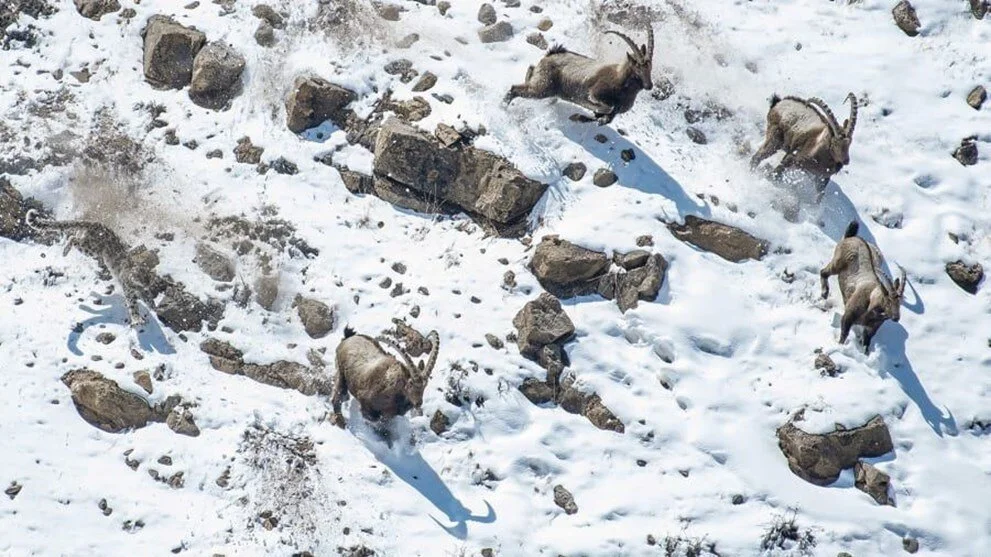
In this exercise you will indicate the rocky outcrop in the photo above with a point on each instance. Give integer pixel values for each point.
(12, 211)
(282, 373)
(95, 9)
(873, 482)
(313, 100)
(316, 316)
(413, 165)
(967, 277)
(819, 458)
(540, 323)
(104, 404)
(637, 284)
(169, 51)
(216, 77)
(728, 242)
(565, 269)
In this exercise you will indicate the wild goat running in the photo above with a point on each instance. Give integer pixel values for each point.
(807, 131)
(137, 282)
(605, 89)
(382, 385)
(869, 297)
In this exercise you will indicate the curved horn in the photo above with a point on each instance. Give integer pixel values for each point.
(650, 43)
(830, 118)
(402, 353)
(633, 46)
(432, 360)
(901, 283)
(852, 122)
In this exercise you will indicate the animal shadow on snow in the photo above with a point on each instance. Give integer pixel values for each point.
(406, 462)
(151, 337)
(641, 173)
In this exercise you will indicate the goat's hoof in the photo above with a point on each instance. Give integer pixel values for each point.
(338, 420)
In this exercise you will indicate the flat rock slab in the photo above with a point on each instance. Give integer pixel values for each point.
(728, 242)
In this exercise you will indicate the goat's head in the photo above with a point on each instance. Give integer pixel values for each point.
(886, 300)
(640, 58)
(417, 376)
(840, 137)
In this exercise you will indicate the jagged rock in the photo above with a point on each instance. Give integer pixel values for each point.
(696, 135)
(487, 14)
(873, 482)
(536, 391)
(819, 458)
(95, 9)
(631, 260)
(443, 6)
(439, 423)
(910, 545)
(541, 322)
(977, 96)
(265, 34)
(629, 288)
(575, 171)
(537, 40)
(317, 317)
(223, 356)
(477, 181)
(12, 211)
(728, 242)
(554, 359)
(314, 100)
(143, 379)
(246, 152)
(966, 154)
(425, 83)
(181, 311)
(102, 403)
(216, 76)
(389, 12)
(966, 276)
(590, 406)
(494, 341)
(411, 110)
(905, 18)
(267, 290)
(565, 269)
(180, 420)
(282, 373)
(826, 365)
(403, 67)
(215, 264)
(496, 33)
(169, 51)
(285, 166)
(979, 8)
(13, 490)
(604, 178)
(267, 14)
(564, 499)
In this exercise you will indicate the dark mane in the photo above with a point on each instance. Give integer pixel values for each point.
(557, 49)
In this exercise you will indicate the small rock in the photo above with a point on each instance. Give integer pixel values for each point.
(819, 458)
(911, 545)
(180, 420)
(906, 18)
(645, 240)
(439, 423)
(317, 317)
(696, 135)
(537, 392)
(564, 499)
(826, 365)
(13, 490)
(443, 6)
(425, 83)
(545, 24)
(738, 499)
(105, 338)
(873, 482)
(408, 40)
(265, 34)
(95, 9)
(631, 260)
(566, 269)
(285, 166)
(538, 40)
(541, 322)
(267, 290)
(977, 96)
(215, 154)
(979, 8)
(314, 100)
(604, 178)
(628, 155)
(496, 32)
(389, 12)
(966, 276)
(494, 341)
(215, 264)
(728, 242)
(169, 51)
(267, 14)
(246, 152)
(487, 14)
(575, 171)
(143, 379)
(966, 153)
(216, 76)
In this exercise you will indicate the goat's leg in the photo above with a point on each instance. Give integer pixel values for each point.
(824, 274)
(846, 323)
(869, 333)
(337, 397)
(772, 142)
(787, 161)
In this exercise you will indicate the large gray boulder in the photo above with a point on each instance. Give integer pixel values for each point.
(104, 404)
(216, 77)
(728, 242)
(314, 100)
(95, 9)
(542, 322)
(479, 182)
(819, 458)
(565, 269)
(169, 51)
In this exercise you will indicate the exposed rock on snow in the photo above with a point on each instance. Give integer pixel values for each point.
(565, 269)
(966, 276)
(641, 283)
(317, 317)
(564, 499)
(169, 51)
(214, 263)
(102, 403)
(819, 458)
(906, 18)
(282, 373)
(496, 33)
(247, 152)
(542, 322)
(95, 9)
(967, 153)
(216, 77)
(486, 14)
(12, 211)
(977, 96)
(728, 242)
(314, 100)
(873, 482)
(589, 405)
(181, 311)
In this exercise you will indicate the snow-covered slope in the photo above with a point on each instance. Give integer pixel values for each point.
(739, 338)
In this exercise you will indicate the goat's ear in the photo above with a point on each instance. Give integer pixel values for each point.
(897, 284)
(420, 365)
(846, 123)
(643, 50)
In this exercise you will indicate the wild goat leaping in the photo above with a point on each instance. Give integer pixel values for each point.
(605, 89)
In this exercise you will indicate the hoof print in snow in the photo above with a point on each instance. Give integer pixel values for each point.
(564, 499)
(169, 51)
(728, 242)
(819, 458)
(905, 18)
(967, 277)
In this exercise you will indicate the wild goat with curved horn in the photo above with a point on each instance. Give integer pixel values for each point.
(807, 131)
(384, 386)
(605, 89)
(869, 297)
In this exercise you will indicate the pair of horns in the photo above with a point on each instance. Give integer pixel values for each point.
(830, 118)
(643, 54)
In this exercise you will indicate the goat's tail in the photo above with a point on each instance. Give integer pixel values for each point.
(557, 49)
(775, 99)
(852, 229)
(348, 331)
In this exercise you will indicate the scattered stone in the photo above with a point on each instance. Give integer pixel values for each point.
(443, 6)
(977, 96)
(215, 154)
(966, 154)
(103, 404)
(696, 135)
(408, 40)
(826, 365)
(590, 406)
(443, 97)
(628, 155)
(13, 490)
(604, 178)
(565, 269)
(910, 545)
(267, 14)
(105, 338)
(819, 458)
(645, 241)
(285, 166)
(631, 260)
(564, 499)
(265, 34)
(979, 8)
(180, 420)
(966, 276)
(12, 212)
(283, 374)
(143, 379)
(169, 51)
(873, 482)
(181, 311)
(439, 423)
(267, 290)
(905, 18)
(216, 76)
(412, 110)
(575, 171)
(537, 392)
(425, 83)
(728, 242)
(403, 67)
(487, 14)
(95, 9)
(541, 322)
(738, 499)
(640, 284)
(538, 40)
(314, 100)
(215, 264)
(317, 317)
(545, 24)
(389, 12)
(246, 152)
(496, 33)
(494, 341)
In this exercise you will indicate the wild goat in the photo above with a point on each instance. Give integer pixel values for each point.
(869, 298)
(137, 282)
(812, 140)
(382, 385)
(605, 89)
